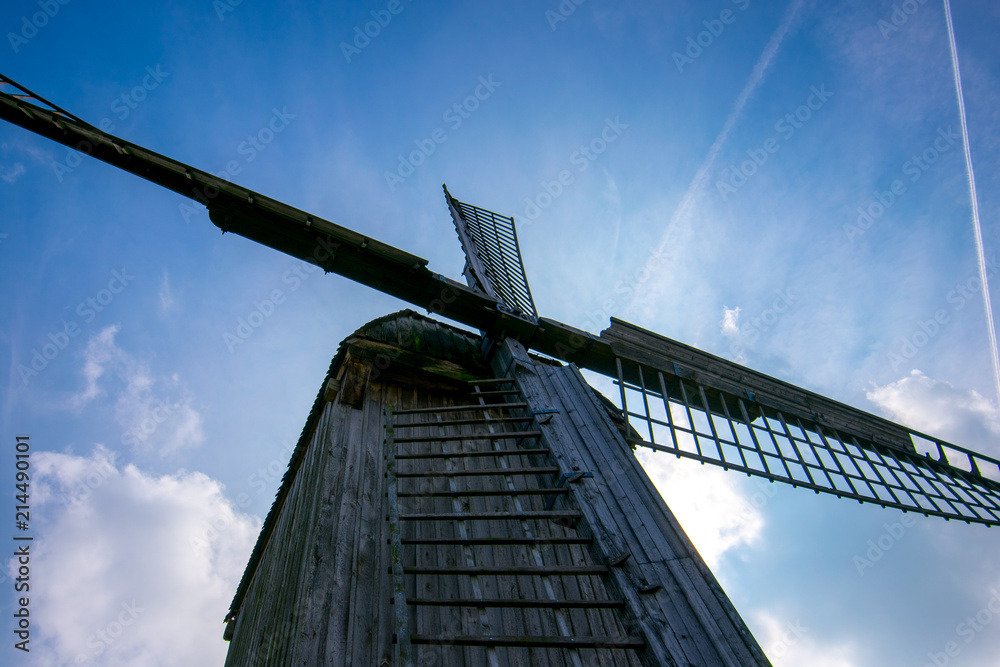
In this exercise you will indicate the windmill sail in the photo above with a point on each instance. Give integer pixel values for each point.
(493, 257)
(673, 398)
(686, 402)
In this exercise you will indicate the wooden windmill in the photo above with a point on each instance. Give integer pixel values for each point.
(463, 499)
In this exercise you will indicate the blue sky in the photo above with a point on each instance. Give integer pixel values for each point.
(712, 193)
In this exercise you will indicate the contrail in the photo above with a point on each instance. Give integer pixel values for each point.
(684, 210)
(975, 200)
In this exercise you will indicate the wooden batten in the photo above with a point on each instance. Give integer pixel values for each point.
(355, 383)
(330, 390)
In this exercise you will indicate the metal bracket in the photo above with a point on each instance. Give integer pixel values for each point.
(572, 478)
(547, 411)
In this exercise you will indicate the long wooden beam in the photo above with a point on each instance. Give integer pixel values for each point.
(242, 211)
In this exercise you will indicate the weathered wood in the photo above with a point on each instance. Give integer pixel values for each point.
(542, 570)
(494, 541)
(463, 408)
(542, 642)
(667, 544)
(698, 582)
(513, 435)
(482, 472)
(507, 602)
(460, 455)
(480, 554)
(480, 492)
(403, 654)
(491, 516)
(617, 506)
(464, 422)
(352, 389)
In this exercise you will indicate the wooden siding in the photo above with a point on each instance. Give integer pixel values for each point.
(318, 589)
(689, 620)
(502, 620)
(321, 593)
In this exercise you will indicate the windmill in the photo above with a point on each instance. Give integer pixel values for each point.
(672, 398)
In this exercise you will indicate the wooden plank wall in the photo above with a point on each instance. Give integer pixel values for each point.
(689, 620)
(304, 605)
(509, 621)
(321, 592)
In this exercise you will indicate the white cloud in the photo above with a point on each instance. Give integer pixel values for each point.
(130, 570)
(36, 154)
(166, 297)
(963, 417)
(154, 413)
(12, 173)
(730, 321)
(715, 512)
(99, 352)
(791, 644)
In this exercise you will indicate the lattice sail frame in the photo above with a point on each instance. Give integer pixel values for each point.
(493, 256)
(14, 90)
(682, 416)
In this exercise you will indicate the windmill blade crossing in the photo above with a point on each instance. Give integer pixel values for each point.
(673, 398)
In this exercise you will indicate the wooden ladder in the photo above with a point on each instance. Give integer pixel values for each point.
(466, 475)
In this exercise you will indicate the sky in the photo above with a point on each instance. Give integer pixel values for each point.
(780, 184)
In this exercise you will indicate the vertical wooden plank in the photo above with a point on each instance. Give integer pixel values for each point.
(641, 506)
(564, 437)
(620, 493)
(323, 473)
(371, 525)
(403, 657)
(382, 590)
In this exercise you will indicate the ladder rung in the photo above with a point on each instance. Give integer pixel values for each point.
(530, 642)
(492, 381)
(482, 471)
(478, 492)
(457, 408)
(497, 541)
(462, 455)
(464, 422)
(505, 435)
(492, 516)
(497, 392)
(553, 570)
(502, 602)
